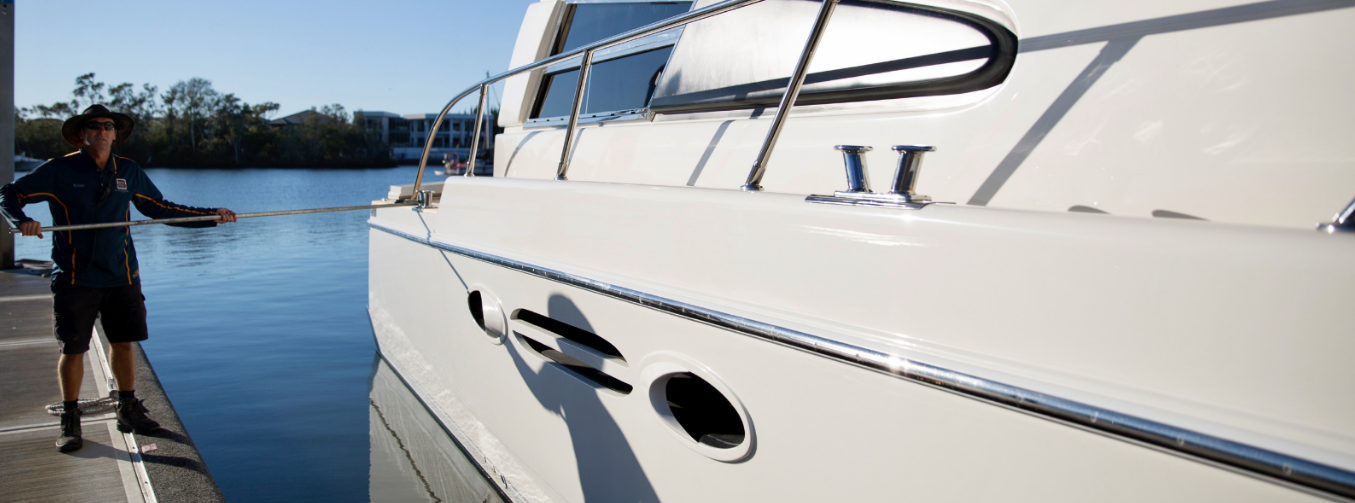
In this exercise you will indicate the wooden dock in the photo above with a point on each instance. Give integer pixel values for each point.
(112, 466)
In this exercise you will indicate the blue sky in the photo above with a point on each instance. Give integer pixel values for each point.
(402, 56)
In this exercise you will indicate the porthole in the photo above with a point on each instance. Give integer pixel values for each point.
(698, 409)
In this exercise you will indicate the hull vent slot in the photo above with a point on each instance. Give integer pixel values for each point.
(571, 332)
(703, 412)
(578, 368)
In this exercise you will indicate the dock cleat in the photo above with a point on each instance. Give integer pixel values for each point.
(132, 417)
(70, 432)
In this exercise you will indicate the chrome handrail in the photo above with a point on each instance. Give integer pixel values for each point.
(759, 167)
(585, 66)
(637, 33)
(797, 78)
(475, 139)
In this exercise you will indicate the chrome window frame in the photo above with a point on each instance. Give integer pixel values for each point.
(667, 38)
(787, 102)
(990, 74)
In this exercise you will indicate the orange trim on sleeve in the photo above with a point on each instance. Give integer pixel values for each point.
(157, 203)
(69, 240)
(63, 211)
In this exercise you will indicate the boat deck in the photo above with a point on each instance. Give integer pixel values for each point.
(112, 466)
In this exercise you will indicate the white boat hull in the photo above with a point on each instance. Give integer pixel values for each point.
(823, 428)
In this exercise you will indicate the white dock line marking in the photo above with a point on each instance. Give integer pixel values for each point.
(143, 480)
(21, 298)
(54, 424)
(25, 342)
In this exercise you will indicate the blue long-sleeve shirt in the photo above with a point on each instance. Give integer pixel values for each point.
(97, 258)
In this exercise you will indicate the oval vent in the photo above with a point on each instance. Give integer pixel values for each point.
(703, 412)
(488, 314)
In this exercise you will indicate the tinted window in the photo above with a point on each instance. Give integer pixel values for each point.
(621, 78)
(619, 84)
(869, 51)
(558, 95)
(593, 22)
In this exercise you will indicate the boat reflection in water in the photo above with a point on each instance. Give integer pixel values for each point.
(413, 457)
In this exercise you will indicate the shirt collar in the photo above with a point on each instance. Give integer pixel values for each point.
(112, 160)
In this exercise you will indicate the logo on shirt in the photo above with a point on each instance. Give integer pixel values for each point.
(122, 184)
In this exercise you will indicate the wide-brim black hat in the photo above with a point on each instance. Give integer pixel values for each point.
(71, 129)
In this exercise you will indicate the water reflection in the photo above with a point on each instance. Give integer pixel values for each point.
(413, 458)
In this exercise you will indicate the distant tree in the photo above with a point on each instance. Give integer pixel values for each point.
(87, 91)
(198, 100)
(172, 101)
(266, 110)
(58, 110)
(230, 121)
(220, 129)
(141, 106)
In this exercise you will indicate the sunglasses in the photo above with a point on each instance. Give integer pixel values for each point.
(106, 126)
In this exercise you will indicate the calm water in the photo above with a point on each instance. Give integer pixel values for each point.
(259, 329)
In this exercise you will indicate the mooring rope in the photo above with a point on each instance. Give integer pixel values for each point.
(87, 406)
(109, 225)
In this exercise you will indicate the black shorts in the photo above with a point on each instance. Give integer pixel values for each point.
(122, 308)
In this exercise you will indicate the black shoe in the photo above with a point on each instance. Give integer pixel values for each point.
(70, 432)
(132, 417)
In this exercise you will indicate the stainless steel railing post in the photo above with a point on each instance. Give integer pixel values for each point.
(475, 140)
(797, 78)
(568, 149)
(432, 133)
(638, 33)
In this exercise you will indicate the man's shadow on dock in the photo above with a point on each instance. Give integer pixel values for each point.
(95, 449)
(608, 469)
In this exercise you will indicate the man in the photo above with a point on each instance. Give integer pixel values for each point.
(96, 270)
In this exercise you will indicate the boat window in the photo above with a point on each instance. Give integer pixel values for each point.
(588, 23)
(618, 85)
(870, 51)
(622, 78)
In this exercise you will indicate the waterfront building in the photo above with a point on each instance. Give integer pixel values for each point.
(407, 134)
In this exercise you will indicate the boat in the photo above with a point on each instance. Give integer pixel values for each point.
(24, 163)
(453, 165)
(960, 250)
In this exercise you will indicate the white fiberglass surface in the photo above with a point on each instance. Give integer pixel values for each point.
(1132, 304)
(826, 430)
(1242, 122)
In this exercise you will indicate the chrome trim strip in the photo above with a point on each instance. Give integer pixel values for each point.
(1269, 464)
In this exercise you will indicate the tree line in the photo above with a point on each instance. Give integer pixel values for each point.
(193, 125)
